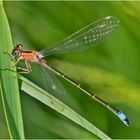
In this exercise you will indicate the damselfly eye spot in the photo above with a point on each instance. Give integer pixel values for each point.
(19, 46)
(17, 49)
(14, 53)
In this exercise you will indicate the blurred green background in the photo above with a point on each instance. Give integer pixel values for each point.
(111, 69)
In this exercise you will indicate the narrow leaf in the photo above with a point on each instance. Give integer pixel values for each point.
(8, 80)
(44, 97)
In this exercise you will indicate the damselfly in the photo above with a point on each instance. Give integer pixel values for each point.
(82, 39)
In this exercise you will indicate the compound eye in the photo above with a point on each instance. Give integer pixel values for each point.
(14, 53)
(19, 46)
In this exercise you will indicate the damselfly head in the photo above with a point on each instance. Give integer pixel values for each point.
(17, 50)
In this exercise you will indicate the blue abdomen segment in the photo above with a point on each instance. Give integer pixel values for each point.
(123, 118)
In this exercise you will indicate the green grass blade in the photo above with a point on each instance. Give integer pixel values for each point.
(8, 82)
(43, 96)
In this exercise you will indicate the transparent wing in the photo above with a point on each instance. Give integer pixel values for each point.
(84, 38)
(52, 84)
